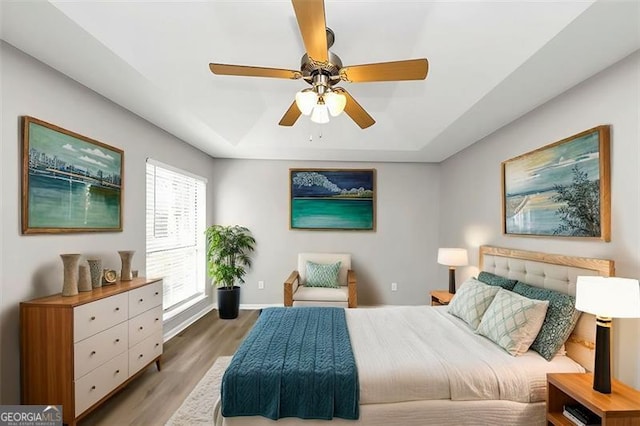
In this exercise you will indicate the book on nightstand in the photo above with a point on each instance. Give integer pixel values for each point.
(580, 415)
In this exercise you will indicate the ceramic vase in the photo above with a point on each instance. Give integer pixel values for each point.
(84, 278)
(70, 280)
(125, 257)
(95, 268)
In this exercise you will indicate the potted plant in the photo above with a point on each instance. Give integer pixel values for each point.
(228, 249)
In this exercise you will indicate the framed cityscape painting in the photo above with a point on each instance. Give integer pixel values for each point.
(332, 199)
(562, 189)
(70, 183)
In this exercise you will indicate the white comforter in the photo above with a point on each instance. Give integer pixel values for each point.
(413, 353)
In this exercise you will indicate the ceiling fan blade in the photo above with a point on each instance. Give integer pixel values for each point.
(247, 71)
(355, 111)
(413, 69)
(289, 118)
(313, 27)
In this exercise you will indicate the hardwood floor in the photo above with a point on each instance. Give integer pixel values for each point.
(154, 396)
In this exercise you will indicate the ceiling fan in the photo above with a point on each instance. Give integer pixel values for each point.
(323, 70)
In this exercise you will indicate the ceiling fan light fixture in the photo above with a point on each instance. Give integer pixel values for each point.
(305, 100)
(335, 102)
(320, 114)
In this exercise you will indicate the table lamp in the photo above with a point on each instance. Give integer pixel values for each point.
(606, 298)
(452, 257)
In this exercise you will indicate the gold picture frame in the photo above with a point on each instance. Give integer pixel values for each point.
(560, 190)
(70, 183)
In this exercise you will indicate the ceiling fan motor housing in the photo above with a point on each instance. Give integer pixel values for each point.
(310, 68)
(331, 68)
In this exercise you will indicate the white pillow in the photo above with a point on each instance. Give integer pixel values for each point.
(513, 321)
(471, 300)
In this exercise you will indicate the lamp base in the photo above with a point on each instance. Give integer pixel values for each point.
(602, 367)
(452, 280)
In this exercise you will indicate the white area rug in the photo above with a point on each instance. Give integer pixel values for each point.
(197, 409)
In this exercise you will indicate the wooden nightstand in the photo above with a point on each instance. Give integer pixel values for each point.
(440, 297)
(620, 407)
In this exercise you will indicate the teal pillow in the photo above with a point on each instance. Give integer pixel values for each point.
(559, 322)
(493, 279)
(323, 275)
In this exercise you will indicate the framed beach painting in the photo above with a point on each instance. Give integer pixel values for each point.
(70, 183)
(561, 190)
(332, 199)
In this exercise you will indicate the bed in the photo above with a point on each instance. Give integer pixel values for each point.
(420, 365)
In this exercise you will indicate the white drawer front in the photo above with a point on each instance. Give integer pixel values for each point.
(144, 298)
(100, 315)
(144, 325)
(100, 348)
(144, 352)
(95, 385)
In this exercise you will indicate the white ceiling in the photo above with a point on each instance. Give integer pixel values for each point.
(490, 63)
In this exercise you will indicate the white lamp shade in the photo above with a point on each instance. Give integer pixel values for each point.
(335, 102)
(611, 297)
(305, 100)
(320, 114)
(453, 256)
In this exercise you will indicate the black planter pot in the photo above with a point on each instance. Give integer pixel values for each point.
(228, 302)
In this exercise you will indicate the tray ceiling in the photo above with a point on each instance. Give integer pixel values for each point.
(490, 63)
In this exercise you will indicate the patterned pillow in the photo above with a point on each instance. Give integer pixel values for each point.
(471, 300)
(493, 279)
(323, 275)
(513, 321)
(561, 318)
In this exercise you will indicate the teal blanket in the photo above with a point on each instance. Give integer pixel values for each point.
(295, 362)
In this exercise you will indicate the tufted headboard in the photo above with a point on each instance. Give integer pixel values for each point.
(555, 272)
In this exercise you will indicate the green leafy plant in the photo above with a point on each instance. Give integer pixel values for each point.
(228, 249)
(580, 214)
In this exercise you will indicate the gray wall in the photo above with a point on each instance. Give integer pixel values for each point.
(471, 202)
(31, 266)
(255, 193)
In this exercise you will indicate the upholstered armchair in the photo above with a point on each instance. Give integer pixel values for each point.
(297, 293)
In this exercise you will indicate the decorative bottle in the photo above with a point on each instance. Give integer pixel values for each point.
(84, 279)
(70, 280)
(95, 267)
(125, 257)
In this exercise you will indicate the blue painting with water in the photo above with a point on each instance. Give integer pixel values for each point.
(332, 199)
(555, 190)
(74, 183)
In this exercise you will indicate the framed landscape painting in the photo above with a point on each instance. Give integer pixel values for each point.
(70, 183)
(332, 199)
(562, 189)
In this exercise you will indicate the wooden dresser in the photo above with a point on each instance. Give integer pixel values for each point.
(77, 351)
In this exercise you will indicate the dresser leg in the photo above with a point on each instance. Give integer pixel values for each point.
(159, 364)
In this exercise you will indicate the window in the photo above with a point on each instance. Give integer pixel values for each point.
(176, 204)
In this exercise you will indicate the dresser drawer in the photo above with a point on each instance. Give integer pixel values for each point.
(94, 317)
(144, 325)
(95, 385)
(144, 298)
(145, 352)
(100, 348)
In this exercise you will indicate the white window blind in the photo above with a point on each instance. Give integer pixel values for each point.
(176, 205)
